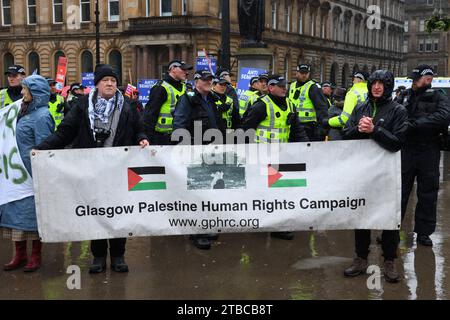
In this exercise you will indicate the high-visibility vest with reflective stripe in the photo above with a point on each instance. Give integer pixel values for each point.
(228, 115)
(275, 127)
(5, 100)
(303, 103)
(53, 108)
(356, 95)
(165, 118)
(246, 99)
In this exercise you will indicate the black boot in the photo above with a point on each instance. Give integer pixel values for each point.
(118, 264)
(285, 235)
(390, 272)
(424, 240)
(98, 265)
(359, 266)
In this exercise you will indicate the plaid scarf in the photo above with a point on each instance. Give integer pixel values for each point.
(103, 108)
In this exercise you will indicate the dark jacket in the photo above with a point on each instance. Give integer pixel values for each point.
(428, 114)
(157, 98)
(257, 113)
(191, 107)
(390, 118)
(76, 128)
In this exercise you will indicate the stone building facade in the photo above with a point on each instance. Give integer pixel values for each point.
(420, 46)
(139, 37)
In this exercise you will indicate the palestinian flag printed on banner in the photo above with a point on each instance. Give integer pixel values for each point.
(146, 178)
(286, 175)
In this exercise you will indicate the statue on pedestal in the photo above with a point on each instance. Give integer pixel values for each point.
(251, 22)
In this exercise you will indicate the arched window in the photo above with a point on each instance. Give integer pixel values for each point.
(87, 62)
(33, 62)
(8, 60)
(345, 75)
(115, 60)
(334, 73)
(57, 55)
(322, 70)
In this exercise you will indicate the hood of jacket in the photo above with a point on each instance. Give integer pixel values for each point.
(387, 78)
(39, 89)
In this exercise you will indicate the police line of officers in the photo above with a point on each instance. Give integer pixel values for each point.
(306, 111)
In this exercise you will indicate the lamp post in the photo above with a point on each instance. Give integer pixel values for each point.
(97, 33)
(225, 54)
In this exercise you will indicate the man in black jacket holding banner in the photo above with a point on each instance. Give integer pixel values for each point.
(384, 121)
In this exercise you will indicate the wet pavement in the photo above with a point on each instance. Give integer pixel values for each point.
(244, 266)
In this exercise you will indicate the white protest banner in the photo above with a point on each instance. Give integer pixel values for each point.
(15, 181)
(170, 190)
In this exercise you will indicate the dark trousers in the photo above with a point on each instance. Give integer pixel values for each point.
(389, 243)
(421, 162)
(99, 248)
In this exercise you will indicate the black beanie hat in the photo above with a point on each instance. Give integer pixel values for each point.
(104, 70)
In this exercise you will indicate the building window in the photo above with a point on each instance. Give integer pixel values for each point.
(87, 62)
(8, 60)
(287, 18)
(421, 45)
(166, 8)
(115, 61)
(274, 15)
(113, 10)
(428, 45)
(31, 4)
(313, 24)
(336, 28)
(183, 7)
(58, 54)
(147, 8)
(6, 12)
(436, 45)
(85, 7)
(300, 21)
(407, 26)
(323, 20)
(57, 11)
(430, 2)
(33, 63)
(421, 25)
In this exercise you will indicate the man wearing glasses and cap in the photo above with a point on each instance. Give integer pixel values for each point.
(327, 90)
(193, 108)
(164, 96)
(428, 116)
(231, 91)
(356, 95)
(13, 93)
(311, 104)
(257, 88)
(225, 104)
(275, 120)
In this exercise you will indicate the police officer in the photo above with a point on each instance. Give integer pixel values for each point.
(283, 127)
(225, 104)
(357, 94)
(231, 91)
(76, 91)
(199, 108)
(384, 121)
(56, 104)
(13, 93)
(327, 90)
(311, 104)
(163, 98)
(249, 96)
(428, 116)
